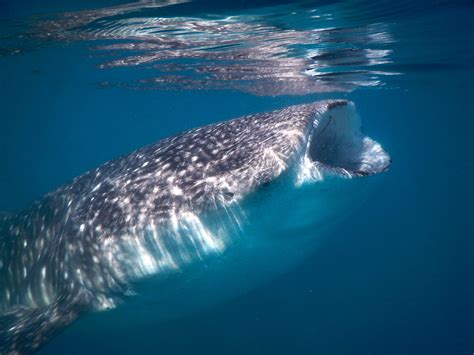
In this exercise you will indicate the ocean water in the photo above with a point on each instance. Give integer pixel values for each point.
(83, 82)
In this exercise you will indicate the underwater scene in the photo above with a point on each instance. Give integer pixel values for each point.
(236, 177)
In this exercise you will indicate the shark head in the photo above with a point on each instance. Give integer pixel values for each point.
(325, 175)
(301, 165)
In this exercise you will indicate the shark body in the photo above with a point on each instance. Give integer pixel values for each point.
(206, 201)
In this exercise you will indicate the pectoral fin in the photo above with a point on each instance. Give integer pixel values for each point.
(23, 330)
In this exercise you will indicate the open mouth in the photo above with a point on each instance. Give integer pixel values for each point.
(337, 147)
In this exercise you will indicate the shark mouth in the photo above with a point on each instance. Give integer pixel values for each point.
(337, 147)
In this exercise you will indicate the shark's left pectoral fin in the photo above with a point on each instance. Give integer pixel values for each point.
(23, 330)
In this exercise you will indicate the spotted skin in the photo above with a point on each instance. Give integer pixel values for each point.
(81, 246)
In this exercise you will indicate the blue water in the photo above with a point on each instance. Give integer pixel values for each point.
(396, 277)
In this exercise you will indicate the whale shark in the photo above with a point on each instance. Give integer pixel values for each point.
(187, 221)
